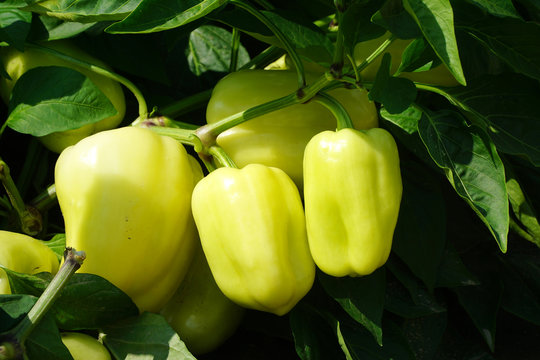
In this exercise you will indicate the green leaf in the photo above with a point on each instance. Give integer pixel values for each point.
(362, 298)
(518, 298)
(87, 301)
(160, 15)
(453, 272)
(506, 105)
(522, 208)
(147, 336)
(13, 307)
(362, 347)
(514, 41)
(406, 120)
(393, 17)
(497, 7)
(21, 283)
(50, 28)
(57, 244)
(356, 24)
(395, 94)
(424, 334)
(14, 27)
(435, 19)
(210, 50)
(51, 99)
(417, 56)
(406, 295)
(85, 11)
(312, 335)
(308, 40)
(45, 342)
(420, 235)
(472, 165)
(482, 303)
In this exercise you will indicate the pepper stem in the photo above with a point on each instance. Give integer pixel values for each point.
(12, 346)
(143, 109)
(281, 37)
(343, 119)
(30, 218)
(221, 156)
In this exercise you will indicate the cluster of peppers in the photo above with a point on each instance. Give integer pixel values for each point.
(294, 194)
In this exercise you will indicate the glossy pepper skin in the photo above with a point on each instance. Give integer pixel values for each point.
(84, 347)
(278, 138)
(252, 229)
(17, 63)
(199, 312)
(125, 196)
(24, 254)
(352, 196)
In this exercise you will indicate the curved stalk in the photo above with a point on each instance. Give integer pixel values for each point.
(143, 109)
(281, 37)
(343, 119)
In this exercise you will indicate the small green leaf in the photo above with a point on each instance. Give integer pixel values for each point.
(393, 17)
(497, 7)
(362, 298)
(51, 99)
(513, 40)
(518, 298)
(210, 50)
(424, 334)
(406, 120)
(147, 336)
(436, 20)
(160, 15)
(472, 165)
(312, 335)
(420, 236)
(85, 11)
(58, 245)
(395, 94)
(482, 303)
(506, 105)
(356, 24)
(453, 272)
(45, 342)
(87, 301)
(418, 56)
(362, 347)
(14, 27)
(13, 307)
(406, 295)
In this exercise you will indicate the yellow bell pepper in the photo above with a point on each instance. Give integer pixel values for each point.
(82, 346)
(252, 229)
(125, 196)
(278, 138)
(24, 254)
(352, 194)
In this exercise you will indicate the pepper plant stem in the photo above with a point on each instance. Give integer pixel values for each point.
(143, 109)
(13, 345)
(343, 119)
(281, 37)
(30, 218)
(221, 156)
(213, 130)
(72, 262)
